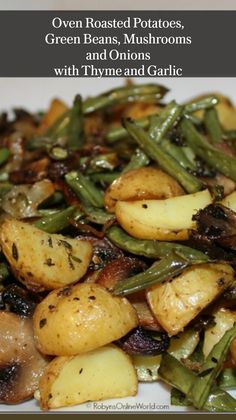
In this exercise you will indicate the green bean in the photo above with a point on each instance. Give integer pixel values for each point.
(59, 127)
(55, 199)
(128, 93)
(177, 153)
(58, 153)
(212, 125)
(4, 271)
(195, 120)
(96, 215)
(227, 378)
(40, 142)
(106, 178)
(217, 159)
(162, 123)
(106, 161)
(56, 222)
(204, 103)
(152, 249)
(210, 369)
(166, 162)
(75, 125)
(84, 189)
(5, 187)
(138, 160)
(229, 135)
(179, 398)
(119, 133)
(4, 155)
(173, 372)
(159, 272)
(47, 212)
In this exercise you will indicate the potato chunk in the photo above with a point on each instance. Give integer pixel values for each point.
(98, 375)
(56, 109)
(167, 219)
(139, 184)
(177, 302)
(81, 318)
(43, 261)
(224, 320)
(230, 201)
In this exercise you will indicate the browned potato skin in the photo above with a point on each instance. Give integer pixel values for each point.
(138, 184)
(104, 373)
(81, 318)
(56, 109)
(17, 350)
(41, 264)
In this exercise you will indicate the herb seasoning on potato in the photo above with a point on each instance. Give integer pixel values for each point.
(118, 249)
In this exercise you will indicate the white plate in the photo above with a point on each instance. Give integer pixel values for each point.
(35, 94)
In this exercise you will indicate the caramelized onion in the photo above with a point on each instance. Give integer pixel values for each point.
(22, 201)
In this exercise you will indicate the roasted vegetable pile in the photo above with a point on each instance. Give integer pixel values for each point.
(118, 249)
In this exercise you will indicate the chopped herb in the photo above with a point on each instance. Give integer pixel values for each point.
(70, 262)
(65, 244)
(77, 259)
(50, 242)
(49, 262)
(42, 322)
(15, 252)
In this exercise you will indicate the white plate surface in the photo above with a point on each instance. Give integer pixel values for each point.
(35, 94)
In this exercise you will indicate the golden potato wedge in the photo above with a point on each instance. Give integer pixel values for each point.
(230, 201)
(138, 184)
(80, 318)
(56, 109)
(167, 219)
(177, 302)
(224, 320)
(40, 260)
(138, 110)
(104, 373)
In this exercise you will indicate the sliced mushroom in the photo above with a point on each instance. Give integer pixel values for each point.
(143, 342)
(21, 365)
(119, 269)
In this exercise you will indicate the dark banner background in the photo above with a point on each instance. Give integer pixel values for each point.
(24, 52)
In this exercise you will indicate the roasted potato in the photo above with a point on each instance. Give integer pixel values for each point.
(168, 219)
(43, 261)
(56, 109)
(138, 184)
(230, 201)
(104, 373)
(80, 318)
(177, 302)
(224, 320)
